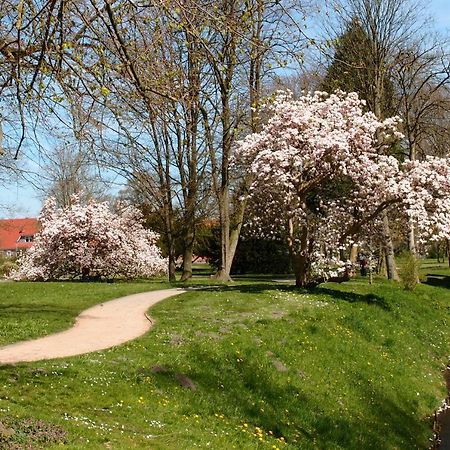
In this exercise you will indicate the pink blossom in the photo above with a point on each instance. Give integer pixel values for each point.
(90, 241)
(322, 175)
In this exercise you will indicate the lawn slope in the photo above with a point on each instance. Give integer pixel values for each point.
(248, 366)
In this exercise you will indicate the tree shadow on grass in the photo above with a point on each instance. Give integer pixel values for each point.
(350, 297)
(12, 309)
(248, 288)
(252, 391)
(439, 280)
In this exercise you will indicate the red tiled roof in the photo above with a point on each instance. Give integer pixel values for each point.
(12, 229)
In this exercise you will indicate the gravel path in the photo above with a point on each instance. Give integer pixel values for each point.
(102, 326)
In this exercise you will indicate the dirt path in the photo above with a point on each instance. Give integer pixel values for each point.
(102, 326)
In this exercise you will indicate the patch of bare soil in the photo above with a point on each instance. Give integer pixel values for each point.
(29, 434)
(165, 372)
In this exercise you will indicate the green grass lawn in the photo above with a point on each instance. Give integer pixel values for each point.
(29, 310)
(247, 366)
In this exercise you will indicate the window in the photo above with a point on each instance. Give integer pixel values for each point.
(26, 238)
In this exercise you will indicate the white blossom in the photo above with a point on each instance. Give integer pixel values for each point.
(90, 241)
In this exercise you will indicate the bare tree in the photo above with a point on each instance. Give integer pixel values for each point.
(422, 79)
(33, 34)
(163, 90)
(160, 91)
(246, 41)
(67, 171)
(136, 99)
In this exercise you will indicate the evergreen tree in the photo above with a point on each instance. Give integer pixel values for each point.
(354, 66)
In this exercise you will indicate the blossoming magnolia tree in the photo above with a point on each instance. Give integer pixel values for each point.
(322, 175)
(425, 189)
(89, 241)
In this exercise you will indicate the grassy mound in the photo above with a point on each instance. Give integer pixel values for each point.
(250, 366)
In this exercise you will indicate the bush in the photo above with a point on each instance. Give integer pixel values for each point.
(6, 267)
(409, 273)
(90, 242)
(255, 255)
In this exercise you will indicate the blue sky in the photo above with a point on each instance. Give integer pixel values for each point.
(18, 199)
(22, 200)
(440, 9)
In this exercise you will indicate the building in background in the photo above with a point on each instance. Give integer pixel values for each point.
(16, 235)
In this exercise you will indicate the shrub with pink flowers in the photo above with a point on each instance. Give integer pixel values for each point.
(90, 242)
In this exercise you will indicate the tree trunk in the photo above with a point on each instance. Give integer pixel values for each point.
(190, 190)
(170, 249)
(231, 226)
(300, 260)
(85, 272)
(381, 266)
(172, 269)
(234, 239)
(223, 274)
(301, 270)
(411, 231)
(412, 240)
(391, 268)
(168, 223)
(235, 231)
(379, 110)
(187, 260)
(354, 253)
(234, 226)
(448, 252)
(189, 237)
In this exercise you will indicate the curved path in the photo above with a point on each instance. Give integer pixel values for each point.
(100, 327)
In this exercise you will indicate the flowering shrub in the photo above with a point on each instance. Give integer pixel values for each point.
(321, 175)
(90, 242)
(425, 189)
